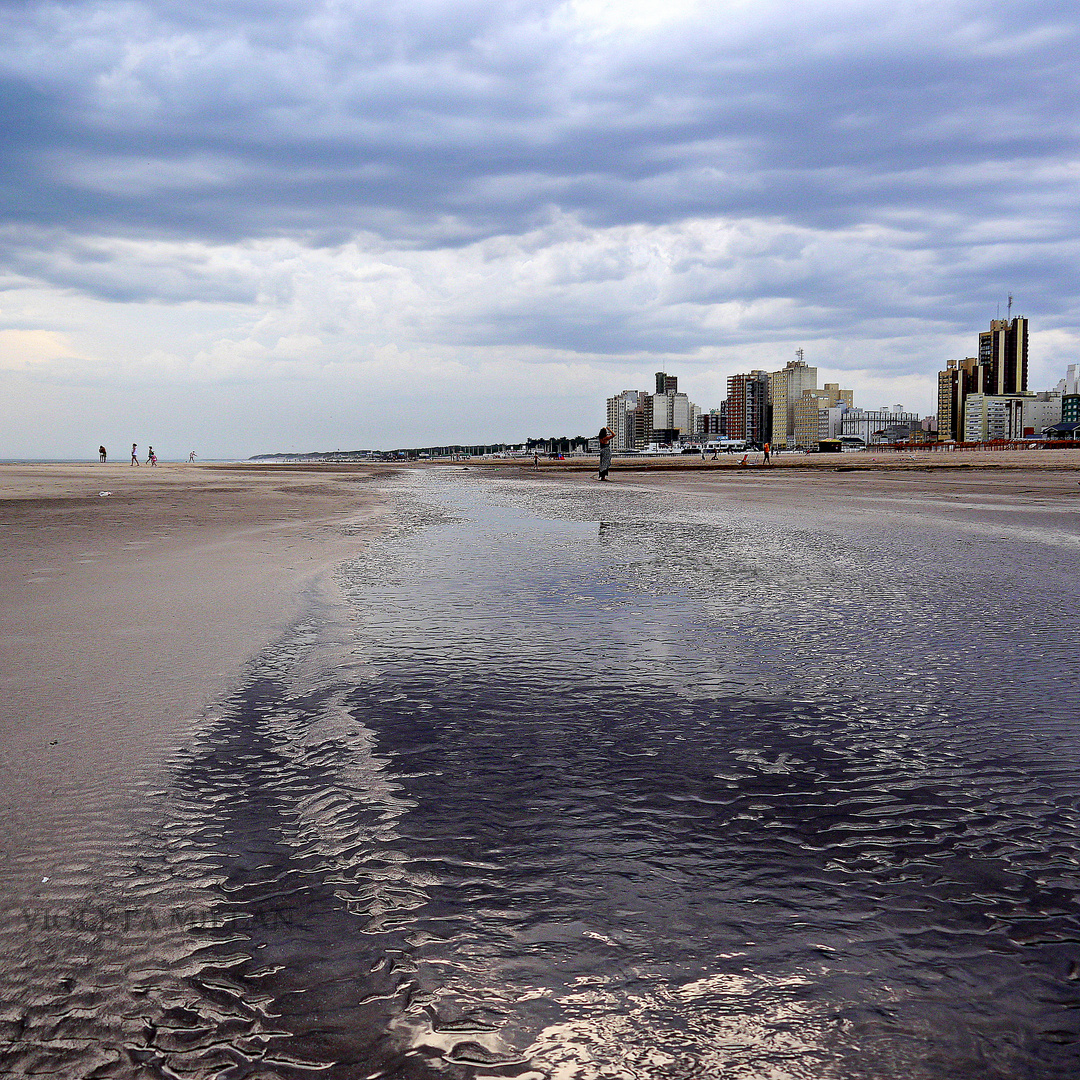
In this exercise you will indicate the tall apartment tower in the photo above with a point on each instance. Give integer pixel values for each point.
(666, 384)
(1000, 368)
(1003, 356)
(747, 407)
(785, 388)
(625, 416)
(960, 378)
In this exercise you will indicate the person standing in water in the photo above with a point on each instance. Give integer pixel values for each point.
(606, 435)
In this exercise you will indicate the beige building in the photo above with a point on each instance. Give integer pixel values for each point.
(816, 415)
(786, 387)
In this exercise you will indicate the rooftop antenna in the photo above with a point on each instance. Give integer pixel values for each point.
(798, 353)
(1009, 316)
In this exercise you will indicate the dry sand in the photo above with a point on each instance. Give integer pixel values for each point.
(122, 616)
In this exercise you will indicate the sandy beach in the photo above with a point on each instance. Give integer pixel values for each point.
(130, 599)
(394, 836)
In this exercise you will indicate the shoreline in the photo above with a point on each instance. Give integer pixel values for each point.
(125, 616)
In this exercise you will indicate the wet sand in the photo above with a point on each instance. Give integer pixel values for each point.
(273, 827)
(1034, 486)
(124, 615)
(940, 460)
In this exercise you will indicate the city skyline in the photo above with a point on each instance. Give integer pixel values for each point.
(247, 230)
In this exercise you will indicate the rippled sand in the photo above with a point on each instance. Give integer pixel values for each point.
(129, 600)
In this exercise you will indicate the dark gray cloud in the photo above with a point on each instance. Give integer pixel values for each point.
(240, 120)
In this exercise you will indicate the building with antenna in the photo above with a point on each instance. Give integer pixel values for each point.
(999, 370)
(786, 387)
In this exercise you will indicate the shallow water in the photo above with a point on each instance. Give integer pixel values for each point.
(604, 783)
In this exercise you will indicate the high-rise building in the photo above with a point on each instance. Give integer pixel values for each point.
(672, 417)
(666, 384)
(817, 414)
(953, 384)
(747, 407)
(1071, 383)
(625, 417)
(1000, 368)
(1003, 356)
(785, 388)
(639, 418)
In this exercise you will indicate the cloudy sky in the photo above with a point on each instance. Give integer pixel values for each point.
(255, 225)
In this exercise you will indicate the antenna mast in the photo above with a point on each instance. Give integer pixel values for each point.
(1009, 316)
(798, 353)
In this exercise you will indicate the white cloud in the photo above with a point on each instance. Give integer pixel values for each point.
(22, 349)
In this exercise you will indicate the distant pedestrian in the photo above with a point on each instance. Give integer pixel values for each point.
(606, 435)
(151, 457)
(702, 451)
(135, 456)
(101, 455)
(765, 459)
(536, 460)
(191, 457)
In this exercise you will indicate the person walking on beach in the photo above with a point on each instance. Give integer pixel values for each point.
(606, 435)
(134, 456)
(151, 457)
(191, 458)
(101, 455)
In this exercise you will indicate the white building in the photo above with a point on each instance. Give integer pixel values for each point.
(1041, 411)
(878, 426)
(1071, 383)
(674, 412)
(621, 413)
(994, 416)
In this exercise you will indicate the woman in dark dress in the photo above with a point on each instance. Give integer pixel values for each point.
(606, 435)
